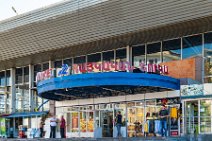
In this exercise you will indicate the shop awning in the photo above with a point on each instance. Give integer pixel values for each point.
(26, 114)
(91, 85)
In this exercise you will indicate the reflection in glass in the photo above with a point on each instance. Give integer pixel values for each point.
(208, 56)
(192, 46)
(108, 56)
(18, 75)
(2, 78)
(138, 55)
(154, 53)
(8, 78)
(94, 63)
(45, 66)
(69, 63)
(121, 55)
(171, 50)
(191, 117)
(26, 74)
(205, 116)
(37, 68)
(22, 99)
(58, 64)
(78, 66)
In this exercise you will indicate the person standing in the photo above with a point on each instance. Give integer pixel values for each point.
(119, 123)
(62, 127)
(163, 116)
(41, 128)
(53, 125)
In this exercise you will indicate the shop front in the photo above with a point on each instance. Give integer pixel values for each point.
(98, 120)
(98, 97)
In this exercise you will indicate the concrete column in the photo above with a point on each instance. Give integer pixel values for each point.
(52, 102)
(13, 93)
(129, 55)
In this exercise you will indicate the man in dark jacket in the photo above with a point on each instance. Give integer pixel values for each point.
(164, 113)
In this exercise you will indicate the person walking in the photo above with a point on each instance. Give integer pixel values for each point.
(163, 116)
(53, 125)
(118, 123)
(62, 127)
(41, 128)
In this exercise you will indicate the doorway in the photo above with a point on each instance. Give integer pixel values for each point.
(191, 120)
(107, 123)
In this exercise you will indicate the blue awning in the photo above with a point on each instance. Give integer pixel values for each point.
(26, 114)
(103, 84)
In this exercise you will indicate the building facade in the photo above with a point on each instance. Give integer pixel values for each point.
(109, 44)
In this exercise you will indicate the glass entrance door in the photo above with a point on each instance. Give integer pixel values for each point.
(107, 123)
(191, 117)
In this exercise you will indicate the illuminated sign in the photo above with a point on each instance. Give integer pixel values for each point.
(44, 75)
(64, 70)
(98, 67)
(119, 66)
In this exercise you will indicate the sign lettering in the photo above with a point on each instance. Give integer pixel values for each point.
(102, 66)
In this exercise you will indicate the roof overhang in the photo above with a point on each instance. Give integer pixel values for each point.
(104, 84)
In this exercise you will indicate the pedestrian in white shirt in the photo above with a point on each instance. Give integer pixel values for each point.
(53, 125)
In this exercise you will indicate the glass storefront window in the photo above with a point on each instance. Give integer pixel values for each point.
(18, 75)
(191, 117)
(95, 59)
(138, 55)
(2, 103)
(205, 116)
(154, 53)
(22, 98)
(107, 57)
(171, 50)
(8, 99)
(192, 46)
(208, 57)
(37, 68)
(121, 56)
(26, 74)
(8, 78)
(83, 119)
(69, 63)
(2, 78)
(58, 64)
(45, 66)
(74, 122)
(79, 66)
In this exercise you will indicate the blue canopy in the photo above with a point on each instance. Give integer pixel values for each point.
(26, 114)
(104, 84)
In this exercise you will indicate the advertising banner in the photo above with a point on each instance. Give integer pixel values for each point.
(2, 127)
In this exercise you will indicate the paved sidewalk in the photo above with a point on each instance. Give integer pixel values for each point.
(98, 139)
(184, 138)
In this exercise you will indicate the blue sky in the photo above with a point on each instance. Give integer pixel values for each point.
(21, 6)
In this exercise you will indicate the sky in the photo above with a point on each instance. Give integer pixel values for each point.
(21, 6)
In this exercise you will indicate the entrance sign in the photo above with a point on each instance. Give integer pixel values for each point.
(64, 70)
(119, 66)
(44, 75)
(122, 66)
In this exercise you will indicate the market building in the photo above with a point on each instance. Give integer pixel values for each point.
(87, 60)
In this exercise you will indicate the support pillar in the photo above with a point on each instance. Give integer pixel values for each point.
(13, 90)
(51, 102)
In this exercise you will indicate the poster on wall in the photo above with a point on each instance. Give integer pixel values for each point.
(174, 122)
(74, 122)
(192, 90)
(2, 127)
